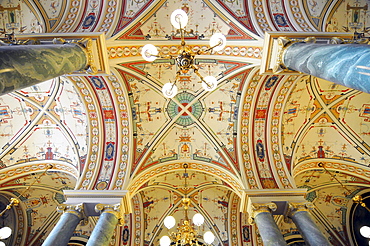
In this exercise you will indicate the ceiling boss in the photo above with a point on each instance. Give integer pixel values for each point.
(185, 58)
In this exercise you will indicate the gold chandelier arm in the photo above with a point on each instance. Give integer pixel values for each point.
(182, 31)
(200, 76)
(202, 52)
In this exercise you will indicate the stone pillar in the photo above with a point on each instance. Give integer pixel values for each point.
(344, 64)
(269, 231)
(26, 65)
(63, 230)
(108, 220)
(301, 217)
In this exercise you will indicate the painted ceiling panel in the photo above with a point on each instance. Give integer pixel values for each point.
(129, 12)
(348, 16)
(14, 118)
(19, 17)
(240, 11)
(158, 27)
(337, 105)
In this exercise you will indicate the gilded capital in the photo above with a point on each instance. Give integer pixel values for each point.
(114, 209)
(263, 208)
(76, 209)
(108, 208)
(299, 207)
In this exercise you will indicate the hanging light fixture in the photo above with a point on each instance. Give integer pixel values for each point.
(185, 235)
(185, 58)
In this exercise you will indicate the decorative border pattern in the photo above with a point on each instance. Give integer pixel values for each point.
(245, 123)
(275, 131)
(361, 172)
(120, 169)
(218, 172)
(260, 17)
(94, 131)
(17, 170)
(298, 15)
(71, 16)
(135, 51)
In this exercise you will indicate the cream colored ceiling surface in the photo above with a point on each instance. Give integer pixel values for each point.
(119, 132)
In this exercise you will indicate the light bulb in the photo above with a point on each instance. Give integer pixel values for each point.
(169, 222)
(198, 219)
(218, 39)
(149, 52)
(210, 83)
(169, 90)
(365, 231)
(5, 232)
(165, 241)
(208, 237)
(178, 17)
(2, 243)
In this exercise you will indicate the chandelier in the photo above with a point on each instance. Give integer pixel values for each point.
(185, 235)
(185, 58)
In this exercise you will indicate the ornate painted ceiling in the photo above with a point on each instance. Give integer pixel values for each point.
(118, 132)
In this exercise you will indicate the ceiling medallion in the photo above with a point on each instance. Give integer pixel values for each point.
(185, 119)
(185, 58)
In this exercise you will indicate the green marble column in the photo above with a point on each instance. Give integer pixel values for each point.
(63, 230)
(108, 220)
(26, 65)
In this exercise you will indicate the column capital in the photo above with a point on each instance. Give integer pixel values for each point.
(295, 207)
(257, 208)
(76, 209)
(114, 209)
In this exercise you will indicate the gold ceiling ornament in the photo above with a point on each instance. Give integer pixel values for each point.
(5, 232)
(185, 58)
(356, 199)
(186, 235)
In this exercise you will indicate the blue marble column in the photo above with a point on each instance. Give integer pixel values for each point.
(108, 220)
(26, 65)
(269, 231)
(344, 64)
(306, 226)
(63, 230)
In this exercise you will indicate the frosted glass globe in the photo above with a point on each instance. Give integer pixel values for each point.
(179, 17)
(210, 83)
(169, 90)
(198, 219)
(218, 39)
(2, 243)
(169, 222)
(165, 241)
(208, 237)
(5, 232)
(149, 52)
(365, 231)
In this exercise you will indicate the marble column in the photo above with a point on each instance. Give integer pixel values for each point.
(344, 64)
(26, 65)
(301, 217)
(63, 230)
(269, 231)
(107, 222)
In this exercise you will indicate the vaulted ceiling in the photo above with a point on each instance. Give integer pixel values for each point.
(119, 132)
